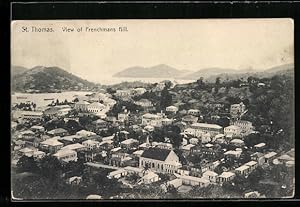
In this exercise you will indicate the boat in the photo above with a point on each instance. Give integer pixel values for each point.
(48, 99)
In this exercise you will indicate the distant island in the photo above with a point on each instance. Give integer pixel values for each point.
(210, 74)
(42, 79)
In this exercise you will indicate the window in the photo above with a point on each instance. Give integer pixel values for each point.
(153, 164)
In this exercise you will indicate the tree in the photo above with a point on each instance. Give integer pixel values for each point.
(27, 164)
(73, 126)
(50, 167)
(165, 98)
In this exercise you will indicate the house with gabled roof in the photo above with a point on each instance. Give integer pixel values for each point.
(160, 160)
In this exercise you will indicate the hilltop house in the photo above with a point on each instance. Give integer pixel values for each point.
(160, 160)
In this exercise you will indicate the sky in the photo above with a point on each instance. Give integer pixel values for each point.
(182, 44)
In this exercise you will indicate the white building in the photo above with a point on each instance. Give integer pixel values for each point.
(66, 155)
(85, 133)
(150, 177)
(194, 112)
(246, 127)
(95, 107)
(160, 160)
(81, 105)
(91, 144)
(225, 177)
(201, 128)
(172, 109)
(234, 131)
(194, 181)
(211, 176)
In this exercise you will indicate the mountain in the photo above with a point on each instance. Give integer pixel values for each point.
(207, 72)
(158, 71)
(286, 69)
(48, 79)
(16, 70)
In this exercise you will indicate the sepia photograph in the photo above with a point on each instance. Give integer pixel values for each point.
(152, 109)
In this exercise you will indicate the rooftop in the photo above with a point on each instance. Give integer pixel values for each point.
(226, 174)
(210, 173)
(156, 153)
(196, 179)
(64, 152)
(52, 142)
(204, 125)
(73, 146)
(242, 168)
(270, 154)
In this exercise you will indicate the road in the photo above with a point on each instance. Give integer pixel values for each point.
(98, 165)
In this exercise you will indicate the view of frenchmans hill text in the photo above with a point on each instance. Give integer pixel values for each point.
(152, 109)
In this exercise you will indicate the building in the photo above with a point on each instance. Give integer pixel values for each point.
(237, 142)
(52, 144)
(190, 119)
(176, 183)
(260, 146)
(232, 130)
(194, 112)
(129, 143)
(81, 106)
(123, 93)
(212, 129)
(269, 157)
(245, 126)
(95, 107)
(152, 120)
(172, 109)
(85, 133)
(66, 155)
(166, 121)
(39, 129)
(145, 103)
(32, 115)
(211, 176)
(243, 170)
(237, 110)
(160, 160)
(138, 91)
(235, 154)
(76, 147)
(134, 170)
(252, 165)
(58, 132)
(91, 144)
(194, 181)
(150, 177)
(117, 174)
(225, 177)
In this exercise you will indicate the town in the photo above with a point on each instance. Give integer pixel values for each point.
(204, 140)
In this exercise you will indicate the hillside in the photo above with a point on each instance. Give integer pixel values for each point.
(207, 72)
(48, 79)
(16, 70)
(158, 71)
(286, 69)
